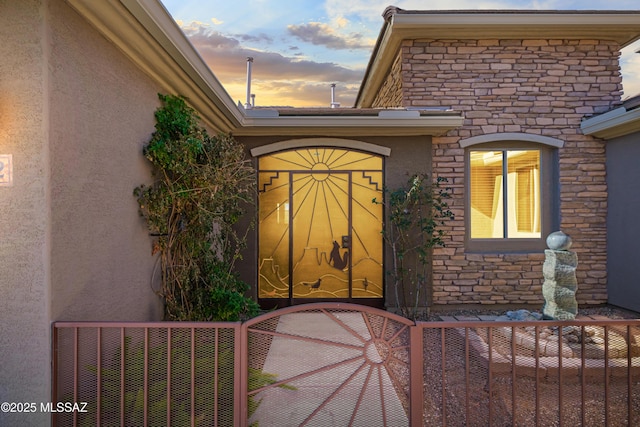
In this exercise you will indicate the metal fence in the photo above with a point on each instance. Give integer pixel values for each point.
(146, 374)
(578, 373)
(342, 364)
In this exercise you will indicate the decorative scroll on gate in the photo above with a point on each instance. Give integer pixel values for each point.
(330, 365)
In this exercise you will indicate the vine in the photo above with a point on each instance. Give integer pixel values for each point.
(202, 186)
(417, 213)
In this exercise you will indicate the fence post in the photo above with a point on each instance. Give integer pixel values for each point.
(241, 359)
(416, 375)
(54, 372)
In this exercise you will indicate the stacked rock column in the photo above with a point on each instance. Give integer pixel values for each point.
(560, 283)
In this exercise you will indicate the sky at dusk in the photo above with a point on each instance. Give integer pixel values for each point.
(301, 47)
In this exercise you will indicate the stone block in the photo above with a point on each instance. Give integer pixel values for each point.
(560, 285)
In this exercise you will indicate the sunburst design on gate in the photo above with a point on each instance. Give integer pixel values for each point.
(331, 367)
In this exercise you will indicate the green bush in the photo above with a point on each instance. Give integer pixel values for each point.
(202, 187)
(205, 374)
(417, 212)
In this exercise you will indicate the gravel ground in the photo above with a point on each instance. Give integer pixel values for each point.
(471, 398)
(605, 310)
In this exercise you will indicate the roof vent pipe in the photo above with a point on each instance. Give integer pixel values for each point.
(334, 104)
(253, 100)
(248, 105)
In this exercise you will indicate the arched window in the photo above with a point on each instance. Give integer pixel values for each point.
(512, 192)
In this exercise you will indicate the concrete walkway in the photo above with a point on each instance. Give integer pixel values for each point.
(338, 375)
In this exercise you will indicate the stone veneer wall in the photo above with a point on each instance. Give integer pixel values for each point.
(390, 93)
(542, 87)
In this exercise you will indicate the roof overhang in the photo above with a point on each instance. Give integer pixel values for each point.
(149, 36)
(615, 123)
(622, 27)
(348, 122)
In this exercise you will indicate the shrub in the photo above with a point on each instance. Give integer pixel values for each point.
(416, 214)
(202, 187)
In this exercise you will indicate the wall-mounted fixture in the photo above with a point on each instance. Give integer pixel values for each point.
(6, 170)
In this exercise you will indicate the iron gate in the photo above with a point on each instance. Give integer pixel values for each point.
(317, 364)
(331, 365)
(347, 365)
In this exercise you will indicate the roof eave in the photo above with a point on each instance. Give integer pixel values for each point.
(348, 126)
(613, 124)
(621, 27)
(148, 35)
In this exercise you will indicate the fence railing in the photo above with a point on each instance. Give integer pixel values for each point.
(545, 373)
(474, 373)
(141, 374)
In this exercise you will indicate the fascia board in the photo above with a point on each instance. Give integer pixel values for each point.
(163, 27)
(380, 65)
(615, 123)
(349, 125)
(623, 28)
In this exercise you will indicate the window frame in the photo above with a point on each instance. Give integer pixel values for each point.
(549, 199)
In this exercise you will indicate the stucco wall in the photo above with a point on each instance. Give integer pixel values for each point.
(623, 177)
(101, 116)
(409, 155)
(74, 113)
(24, 207)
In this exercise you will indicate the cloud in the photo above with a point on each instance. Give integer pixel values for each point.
(276, 79)
(320, 34)
(371, 10)
(260, 38)
(300, 72)
(630, 62)
(341, 22)
(303, 93)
